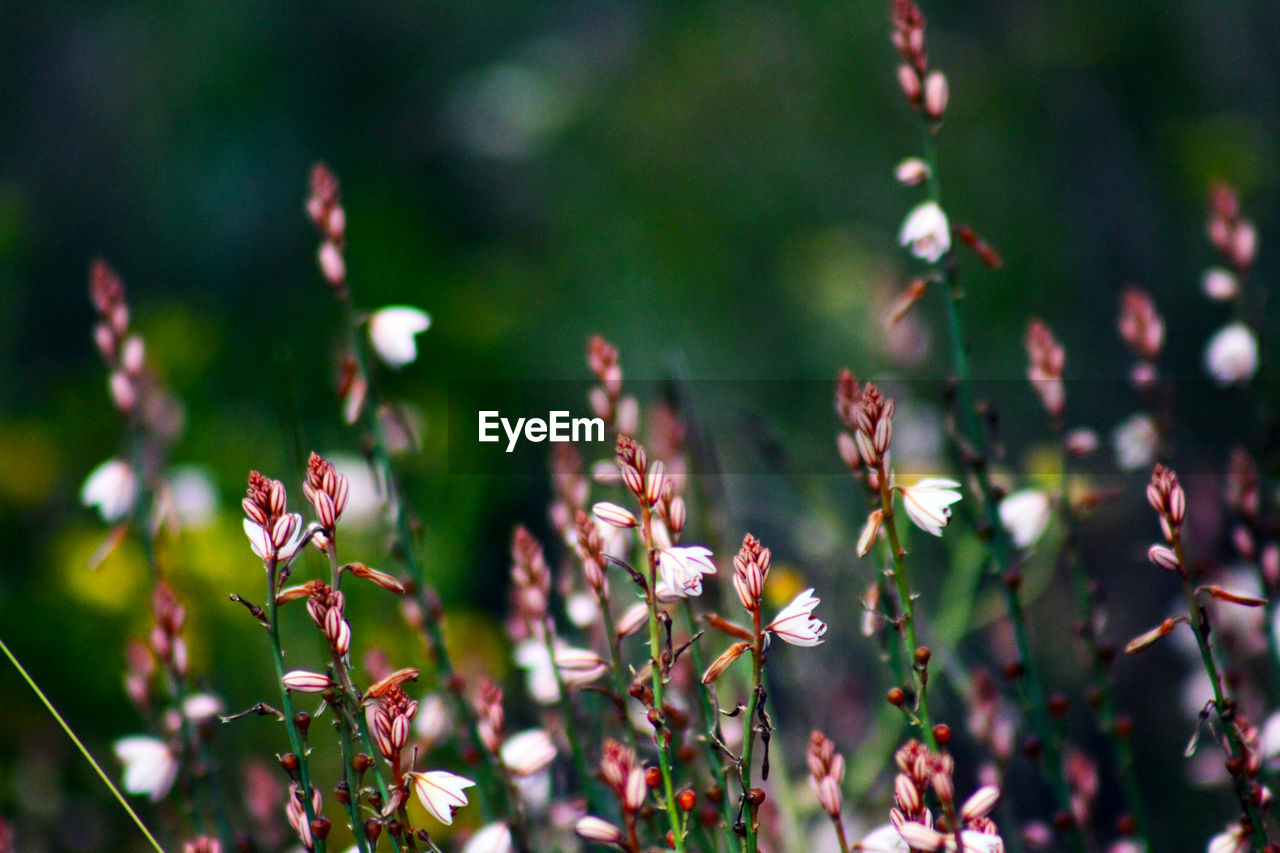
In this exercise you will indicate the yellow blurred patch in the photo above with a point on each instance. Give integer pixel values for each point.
(30, 461)
(121, 583)
(784, 584)
(1042, 466)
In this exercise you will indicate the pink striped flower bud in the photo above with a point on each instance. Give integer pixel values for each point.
(302, 681)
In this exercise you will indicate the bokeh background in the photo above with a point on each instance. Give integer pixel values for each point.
(707, 184)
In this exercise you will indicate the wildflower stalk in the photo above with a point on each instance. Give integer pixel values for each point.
(324, 207)
(619, 678)
(1108, 716)
(908, 618)
(657, 658)
(1225, 710)
(749, 733)
(195, 749)
(88, 756)
(707, 717)
(286, 699)
(351, 719)
(570, 727)
(975, 452)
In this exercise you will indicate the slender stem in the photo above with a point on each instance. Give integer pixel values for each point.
(351, 717)
(619, 677)
(749, 734)
(570, 724)
(286, 700)
(661, 734)
(908, 617)
(1225, 710)
(80, 746)
(709, 719)
(976, 455)
(1099, 670)
(496, 798)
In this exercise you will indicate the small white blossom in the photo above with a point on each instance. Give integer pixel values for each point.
(1025, 514)
(432, 722)
(193, 496)
(884, 839)
(440, 792)
(112, 488)
(391, 331)
(150, 767)
(680, 571)
(577, 666)
(929, 501)
(200, 707)
(494, 838)
(796, 624)
(282, 542)
(528, 752)
(1135, 442)
(927, 232)
(1232, 354)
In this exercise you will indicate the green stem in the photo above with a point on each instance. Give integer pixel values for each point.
(975, 436)
(619, 678)
(352, 718)
(1120, 745)
(1225, 712)
(709, 719)
(495, 795)
(661, 734)
(908, 617)
(80, 746)
(571, 728)
(286, 700)
(749, 734)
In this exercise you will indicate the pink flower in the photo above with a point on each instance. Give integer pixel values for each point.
(795, 623)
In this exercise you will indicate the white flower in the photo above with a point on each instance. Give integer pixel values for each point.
(1025, 514)
(193, 495)
(795, 623)
(1269, 740)
(927, 232)
(884, 839)
(583, 609)
(929, 501)
(281, 543)
(201, 707)
(391, 331)
(977, 842)
(364, 498)
(112, 488)
(1231, 841)
(150, 767)
(528, 752)
(440, 792)
(432, 721)
(1135, 442)
(1232, 354)
(577, 666)
(680, 571)
(494, 838)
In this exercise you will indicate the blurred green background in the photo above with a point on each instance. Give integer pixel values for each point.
(707, 183)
